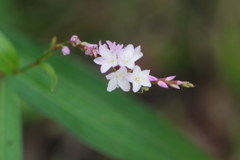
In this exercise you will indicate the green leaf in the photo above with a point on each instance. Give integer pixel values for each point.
(8, 57)
(52, 74)
(113, 123)
(10, 139)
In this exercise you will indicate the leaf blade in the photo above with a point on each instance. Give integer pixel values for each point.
(52, 74)
(8, 57)
(10, 140)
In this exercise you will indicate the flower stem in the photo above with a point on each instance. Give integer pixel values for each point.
(46, 55)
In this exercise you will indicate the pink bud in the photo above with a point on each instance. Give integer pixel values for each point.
(170, 78)
(75, 40)
(162, 84)
(91, 49)
(179, 82)
(175, 86)
(152, 78)
(65, 50)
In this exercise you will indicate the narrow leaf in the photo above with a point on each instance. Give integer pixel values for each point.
(10, 135)
(52, 74)
(8, 57)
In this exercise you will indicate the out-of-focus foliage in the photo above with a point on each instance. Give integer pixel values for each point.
(195, 40)
(8, 56)
(10, 129)
(113, 123)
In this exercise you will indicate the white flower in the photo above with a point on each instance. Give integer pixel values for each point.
(117, 79)
(108, 59)
(128, 56)
(139, 78)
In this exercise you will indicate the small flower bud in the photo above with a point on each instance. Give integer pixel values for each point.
(145, 88)
(162, 84)
(75, 40)
(170, 78)
(91, 49)
(175, 86)
(187, 85)
(179, 82)
(65, 50)
(152, 78)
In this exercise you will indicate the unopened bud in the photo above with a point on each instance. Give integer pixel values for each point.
(170, 78)
(162, 84)
(152, 78)
(75, 40)
(65, 50)
(145, 88)
(175, 86)
(187, 85)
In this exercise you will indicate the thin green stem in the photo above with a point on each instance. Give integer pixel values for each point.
(41, 59)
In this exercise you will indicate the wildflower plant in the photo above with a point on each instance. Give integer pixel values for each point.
(97, 113)
(111, 55)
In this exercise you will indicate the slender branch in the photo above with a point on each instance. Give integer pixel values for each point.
(41, 59)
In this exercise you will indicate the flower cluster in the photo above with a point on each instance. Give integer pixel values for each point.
(122, 60)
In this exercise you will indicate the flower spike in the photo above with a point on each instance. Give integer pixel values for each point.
(122, 60)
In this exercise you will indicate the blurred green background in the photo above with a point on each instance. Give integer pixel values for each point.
(197, 40)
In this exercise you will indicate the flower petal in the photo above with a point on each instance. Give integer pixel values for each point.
(136, 70)
(105, 52)
(146, 83)
(110, 76)
(145, 73)
(137, 53)
(136, 87)
(112, 84)
(105, 67)
(124, 85)
(99, 60)
(129, 50)
(130, 65)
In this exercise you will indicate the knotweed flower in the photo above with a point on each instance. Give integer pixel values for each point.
(129, 55)
(118, 79)
(122, 60)
(139, 78)
(108, 59)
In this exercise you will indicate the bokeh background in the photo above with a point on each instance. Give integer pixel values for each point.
(196, 40)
